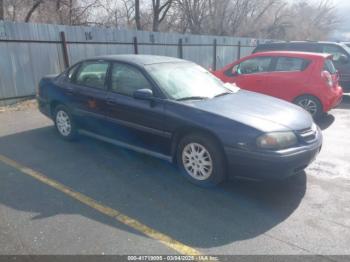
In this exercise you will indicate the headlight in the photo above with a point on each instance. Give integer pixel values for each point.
(276, 140)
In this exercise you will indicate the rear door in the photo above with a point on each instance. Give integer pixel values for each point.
(251, 73)
(90, 92)
(287, 78)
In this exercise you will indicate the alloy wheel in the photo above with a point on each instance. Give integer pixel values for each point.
(197, 161)
(63, 123)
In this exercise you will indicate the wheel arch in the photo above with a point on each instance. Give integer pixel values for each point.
(53, 105)
(187, 130)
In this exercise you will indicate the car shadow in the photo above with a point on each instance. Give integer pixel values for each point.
(144, 188)
(326, 121)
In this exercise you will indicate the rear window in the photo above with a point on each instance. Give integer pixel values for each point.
(288, 64)
(329, 66)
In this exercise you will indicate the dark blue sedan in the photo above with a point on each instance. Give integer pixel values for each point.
(176, 110)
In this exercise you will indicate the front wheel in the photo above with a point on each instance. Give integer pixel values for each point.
(311, 104)
(64, 123)
(201, 161)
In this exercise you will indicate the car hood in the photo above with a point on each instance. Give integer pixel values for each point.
(259, 111)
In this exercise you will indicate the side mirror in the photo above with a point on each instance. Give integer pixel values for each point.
(343, 59)
(143, 94)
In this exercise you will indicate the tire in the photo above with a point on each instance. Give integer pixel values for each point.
(311, 104)
(190, 160)
(64, 123)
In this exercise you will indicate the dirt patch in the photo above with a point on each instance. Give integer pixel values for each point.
(20, 106)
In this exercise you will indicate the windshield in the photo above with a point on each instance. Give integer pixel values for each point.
(186, 80)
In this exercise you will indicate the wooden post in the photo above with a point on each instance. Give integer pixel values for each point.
(180, 49)
(239, 50)
(64, 49)
(136, 49)
(214, 54)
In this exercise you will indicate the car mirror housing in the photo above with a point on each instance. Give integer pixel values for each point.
(143, 94)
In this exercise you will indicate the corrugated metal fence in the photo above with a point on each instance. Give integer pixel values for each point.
(30, 51)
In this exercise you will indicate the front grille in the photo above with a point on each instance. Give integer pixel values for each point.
(308, 135)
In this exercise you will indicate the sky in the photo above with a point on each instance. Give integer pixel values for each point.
(343, 32)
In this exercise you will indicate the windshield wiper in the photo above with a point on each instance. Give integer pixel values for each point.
(223, 94)
(192, 98)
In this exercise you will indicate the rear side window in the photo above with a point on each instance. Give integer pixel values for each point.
(92, 74)
(336, 51)
(289, 64)
(329, 66)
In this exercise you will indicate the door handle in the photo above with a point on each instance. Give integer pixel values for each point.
(69, 91)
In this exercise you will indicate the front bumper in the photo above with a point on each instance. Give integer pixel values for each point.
(44, 106)
(273, 165)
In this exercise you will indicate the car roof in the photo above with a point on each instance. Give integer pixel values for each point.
(141, 60)
(299, 42)
(293, 54)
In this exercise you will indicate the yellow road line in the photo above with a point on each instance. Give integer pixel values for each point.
(133, 223)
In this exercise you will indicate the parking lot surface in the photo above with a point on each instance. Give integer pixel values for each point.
(89, 197)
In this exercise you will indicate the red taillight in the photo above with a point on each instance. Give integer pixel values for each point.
(327, 78)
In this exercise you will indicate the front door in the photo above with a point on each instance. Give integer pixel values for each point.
(251, 74)
(134, 121)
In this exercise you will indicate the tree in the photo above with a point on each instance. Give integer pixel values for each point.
(137, 15)
(159, 12)
(194, 13)
(273, 19)
(35, 5)
(2, 10)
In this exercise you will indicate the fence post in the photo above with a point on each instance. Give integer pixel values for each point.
(180, 48)
(214, 54)
(239, 50)
(136, 48)
(64, 49)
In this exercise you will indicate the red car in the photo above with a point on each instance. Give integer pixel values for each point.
(309, 80)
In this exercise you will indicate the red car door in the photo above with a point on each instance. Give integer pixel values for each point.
(250, 74)
(288, 78)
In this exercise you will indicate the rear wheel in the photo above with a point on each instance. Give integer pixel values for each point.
(201, 160)
(64, 123)
(310, 104)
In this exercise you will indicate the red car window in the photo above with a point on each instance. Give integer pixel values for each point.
(288, 64)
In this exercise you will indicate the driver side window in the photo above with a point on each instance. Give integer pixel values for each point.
(254, 66)
(127, 79)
